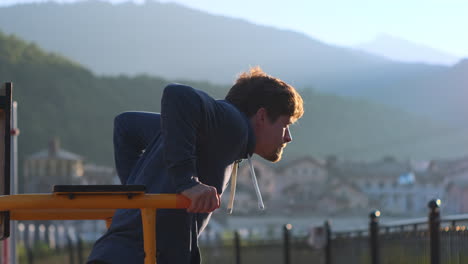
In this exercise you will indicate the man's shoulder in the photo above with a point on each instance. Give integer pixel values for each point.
(177, 88)
(182, 89)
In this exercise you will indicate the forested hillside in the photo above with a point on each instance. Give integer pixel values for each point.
(58, 97)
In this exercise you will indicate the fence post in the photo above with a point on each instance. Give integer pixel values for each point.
(374, 237)
(79, 249)
(70, 249)
(237, 247)
(287, 247)
(29, 253)
(327, 243)
(434, 227)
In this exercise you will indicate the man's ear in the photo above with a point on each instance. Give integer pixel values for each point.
(261, 115)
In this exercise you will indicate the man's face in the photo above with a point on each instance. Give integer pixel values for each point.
(272, 137)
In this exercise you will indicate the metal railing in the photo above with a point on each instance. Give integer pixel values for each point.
(431, 240)
(287, 249)
(428, 240)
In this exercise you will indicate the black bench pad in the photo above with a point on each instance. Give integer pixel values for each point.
(91, 189)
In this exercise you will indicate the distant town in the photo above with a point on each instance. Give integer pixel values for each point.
(343, 187)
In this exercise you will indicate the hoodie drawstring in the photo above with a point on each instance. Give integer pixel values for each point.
(233, 187)
(261, 206)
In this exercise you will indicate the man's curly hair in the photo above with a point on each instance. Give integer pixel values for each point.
(255, 89)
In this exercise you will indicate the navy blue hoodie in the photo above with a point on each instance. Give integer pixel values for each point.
(200, 138)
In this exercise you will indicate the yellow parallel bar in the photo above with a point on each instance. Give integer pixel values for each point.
(54, 201)
(61, 214)
(93, 206)
(148, 217)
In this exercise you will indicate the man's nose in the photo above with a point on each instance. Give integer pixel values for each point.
(287, 136)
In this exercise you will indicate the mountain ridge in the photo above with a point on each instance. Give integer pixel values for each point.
(402, 50)
(173, 41)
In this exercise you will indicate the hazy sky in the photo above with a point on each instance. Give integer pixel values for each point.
(440, 24)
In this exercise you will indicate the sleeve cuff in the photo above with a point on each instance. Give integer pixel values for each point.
(183, 176)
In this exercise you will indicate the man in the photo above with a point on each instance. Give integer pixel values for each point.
(191, 148)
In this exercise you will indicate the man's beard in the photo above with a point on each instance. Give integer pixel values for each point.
(276, 155)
